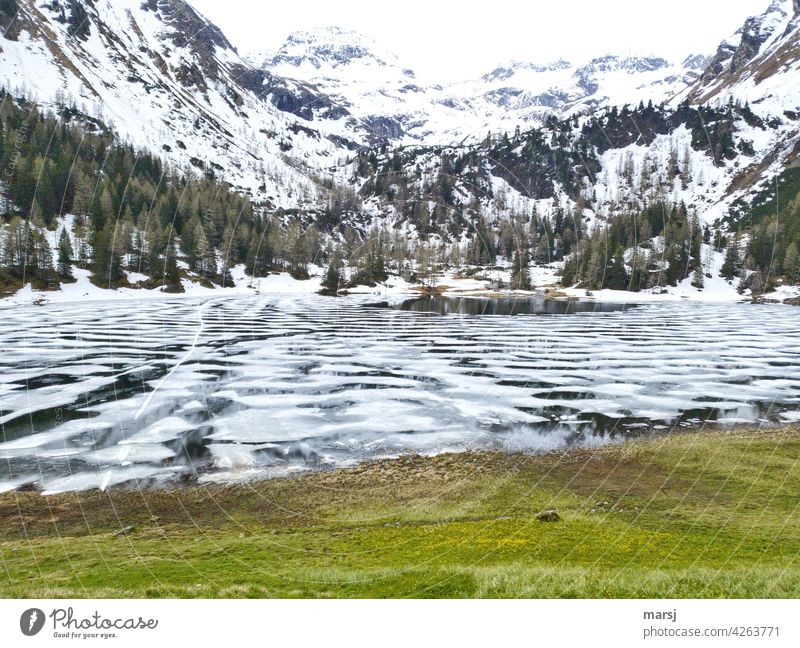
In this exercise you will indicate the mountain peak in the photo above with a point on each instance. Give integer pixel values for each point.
(697, 61)
(510, 68)
(330, 47)
(631, 63)
(755, 36)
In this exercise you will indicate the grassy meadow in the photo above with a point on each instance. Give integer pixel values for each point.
(697, 515)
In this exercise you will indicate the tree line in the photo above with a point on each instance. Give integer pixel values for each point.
(128, 210)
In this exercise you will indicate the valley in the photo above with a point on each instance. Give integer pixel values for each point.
(245, 213)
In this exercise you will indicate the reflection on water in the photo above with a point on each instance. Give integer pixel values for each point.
(533, 305)
(239, 387)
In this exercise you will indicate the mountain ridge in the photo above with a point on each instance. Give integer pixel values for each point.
(377, 87)
(172, 83)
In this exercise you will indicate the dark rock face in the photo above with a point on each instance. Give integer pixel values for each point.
(8, 18)
(296, 98)
(502, 96)
(631, 64)
(586, 75)
(72, 13)
(697, 61)
(385, 127)
(505, 72)
(78, 20)
(731, 58)
(586, 81)
(753, 37)
(499, 74)
(551, 99)
(717, 65)
(189, 29)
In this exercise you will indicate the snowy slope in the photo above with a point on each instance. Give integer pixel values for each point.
(285, 130)
(759, 65)
(751, 88)
(521, 93)
(169, 81)
(374, 85)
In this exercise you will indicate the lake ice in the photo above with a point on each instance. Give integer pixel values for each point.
(93, 395)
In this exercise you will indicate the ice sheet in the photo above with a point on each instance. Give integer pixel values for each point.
(260, 385)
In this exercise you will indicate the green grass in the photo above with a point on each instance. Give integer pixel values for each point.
(710, 514)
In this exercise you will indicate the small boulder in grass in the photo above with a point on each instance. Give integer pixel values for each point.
(549, 515)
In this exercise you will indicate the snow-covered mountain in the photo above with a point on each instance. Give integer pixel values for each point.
(169, 81)
(283, 126)
(759, 66)
(523, 94)
(716, 143)
(762, 50)
(374, 85)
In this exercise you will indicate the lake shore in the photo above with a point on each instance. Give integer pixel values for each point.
(688, 515)
(449, 285)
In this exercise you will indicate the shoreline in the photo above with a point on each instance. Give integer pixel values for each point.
(282, 284)
(686, 515)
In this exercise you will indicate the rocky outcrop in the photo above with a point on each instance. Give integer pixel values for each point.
(8, 19)
(550, 515)
(732, 56)
(297, 98)
(387, 128)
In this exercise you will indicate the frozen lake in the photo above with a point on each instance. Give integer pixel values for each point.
(97, 394)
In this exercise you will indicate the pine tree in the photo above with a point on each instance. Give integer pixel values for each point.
(204, 257)
(695, 241)
(698, 281)
(732, 263)
(106, 256)
(137, 248)
(598, 258)
(14, 246)
(617, 277)
(333, 275)
(79, 234)
(171, 272)
(40, 256)
(64, 268)
(791, 263)
(155, 250)
(520, 276)
(568, 276)
(379, 266)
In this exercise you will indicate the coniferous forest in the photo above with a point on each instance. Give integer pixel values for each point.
(129, 212)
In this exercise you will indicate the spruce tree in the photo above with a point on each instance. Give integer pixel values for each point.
(617, 277)
(64, 268)
(171, 272)
(698, 281)
(39, 257)
(333, 276)
(732, 263)
(791, 263)
(520, 276)
(568, 276)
